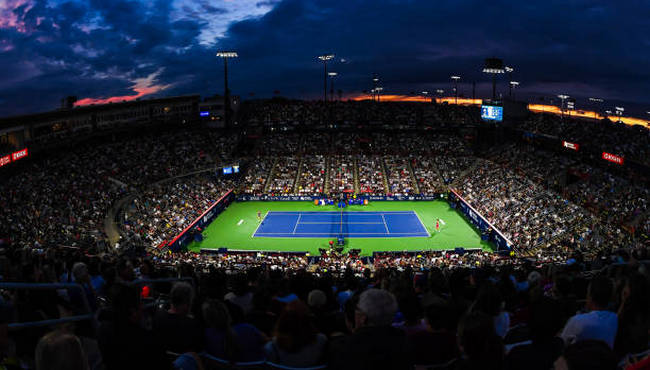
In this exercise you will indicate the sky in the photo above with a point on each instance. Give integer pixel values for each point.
(109, 51)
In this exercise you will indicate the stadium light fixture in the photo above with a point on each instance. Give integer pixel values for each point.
(455, 79)
(596, 101)
(325, 58)
(378, 91)
(331, 76)
(494, 67)
(513, 85)
(375, 80)
(619, 112)
(225, 55)
(562, 97)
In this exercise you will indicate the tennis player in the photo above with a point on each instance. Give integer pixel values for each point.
(259, 216)
(437, 225)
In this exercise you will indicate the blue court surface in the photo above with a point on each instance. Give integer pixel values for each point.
(401, 224)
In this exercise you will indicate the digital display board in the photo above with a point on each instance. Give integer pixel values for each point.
(204, 114)
(492, 113)
(235, 168)
(227, 170)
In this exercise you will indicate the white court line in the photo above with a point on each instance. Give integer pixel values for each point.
(386, 226)
(240, 222)
(422, 224)
(297, 222)
(336, 223)
(328, 233)
(260, 224)
(349, 213)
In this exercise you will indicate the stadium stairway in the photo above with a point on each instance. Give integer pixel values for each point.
(384, 170)
(454, 184)
(296, 181)
(269, 178)
(356, 176)
(416, 186)
(326, 186)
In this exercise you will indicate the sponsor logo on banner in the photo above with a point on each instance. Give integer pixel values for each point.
(5, 160)
(569, 145)
(613, 158)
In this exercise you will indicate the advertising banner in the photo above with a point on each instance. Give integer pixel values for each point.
(613, 158)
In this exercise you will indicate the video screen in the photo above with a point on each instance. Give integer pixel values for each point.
(227, 170)
(491, 113)
(235, 168)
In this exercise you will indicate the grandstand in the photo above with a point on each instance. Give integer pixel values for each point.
(120, 221)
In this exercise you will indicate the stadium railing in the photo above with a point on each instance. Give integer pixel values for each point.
(49, 286)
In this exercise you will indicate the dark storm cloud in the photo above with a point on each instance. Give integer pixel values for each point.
(98, 48)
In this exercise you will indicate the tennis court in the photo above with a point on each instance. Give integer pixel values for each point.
(397, 224)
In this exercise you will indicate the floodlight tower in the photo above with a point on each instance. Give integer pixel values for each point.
(562, 97)
(324, 58)
(331, 76)
(378, 91)
(619, 112)
(225, 55)
(596, 101)
(440, 92)
(509, 71)
(494, 66)
(375, 80)
(455, 79)
(425, 93)
(513, 85)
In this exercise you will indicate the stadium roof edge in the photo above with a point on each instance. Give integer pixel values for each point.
(21, 118)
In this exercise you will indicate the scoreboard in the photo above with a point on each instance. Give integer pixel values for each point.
(492, 113)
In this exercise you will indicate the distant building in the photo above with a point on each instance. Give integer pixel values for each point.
(19, 131)
(212, 110)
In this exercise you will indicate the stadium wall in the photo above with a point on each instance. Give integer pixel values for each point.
(493, 234)
(185, 237)
(297, 198)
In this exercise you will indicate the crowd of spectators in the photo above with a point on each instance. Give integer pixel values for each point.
(370, 175)
(632, 142)
(155, 216)
(311, 180)
(398, 176)
(256, 175)
(284, 175)
(426, 174)
(341, 174)
(525, 212)
(451, 310)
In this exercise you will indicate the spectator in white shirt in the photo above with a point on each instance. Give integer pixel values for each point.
(598, 323)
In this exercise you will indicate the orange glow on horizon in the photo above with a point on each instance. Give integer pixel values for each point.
(543, 108)
(537, 108)
(394, 98)
(142, 86)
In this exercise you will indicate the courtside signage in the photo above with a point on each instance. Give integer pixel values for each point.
(613, 158)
